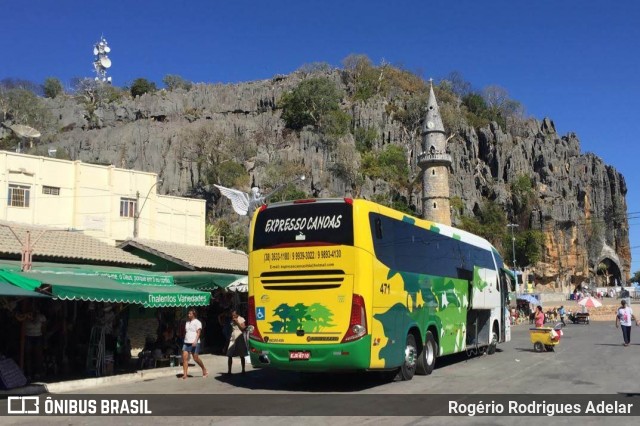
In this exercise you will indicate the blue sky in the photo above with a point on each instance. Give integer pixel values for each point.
(575, 61)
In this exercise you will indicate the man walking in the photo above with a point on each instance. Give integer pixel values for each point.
(561, 312)
(193, 329)
(624, 317)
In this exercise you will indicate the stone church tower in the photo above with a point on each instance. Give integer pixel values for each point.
(435, 163)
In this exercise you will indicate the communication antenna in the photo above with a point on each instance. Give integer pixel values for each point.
(23, 131)
(101, 62)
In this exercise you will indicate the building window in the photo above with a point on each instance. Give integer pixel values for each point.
(435, 206)
(127, 207)
(50, 190)
(18, 195)
(433, 172)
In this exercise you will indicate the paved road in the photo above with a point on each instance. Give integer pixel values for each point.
(590, 359)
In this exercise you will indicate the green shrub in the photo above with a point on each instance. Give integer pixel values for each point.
(389, 164)
(309, 102)
(394, 201)
(176, 82)
(365, 138)
(52, 87)
(336, 123)
(141, 86)
(490, 223)
(232, 174)
(235, 236)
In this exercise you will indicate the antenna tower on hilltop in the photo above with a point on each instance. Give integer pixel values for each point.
(101, 61)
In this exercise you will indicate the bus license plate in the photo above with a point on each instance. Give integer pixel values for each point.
(299, 355)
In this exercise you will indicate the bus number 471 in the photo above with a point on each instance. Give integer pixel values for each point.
(385, 288)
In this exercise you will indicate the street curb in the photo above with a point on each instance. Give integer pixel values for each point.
(138, 376)
(74, 385)
(31, 389)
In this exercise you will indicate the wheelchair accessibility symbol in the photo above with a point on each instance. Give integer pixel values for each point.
(260, 315)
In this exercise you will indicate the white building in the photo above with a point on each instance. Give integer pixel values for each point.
(102, 201)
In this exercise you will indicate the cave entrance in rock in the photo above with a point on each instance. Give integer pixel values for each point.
(608, 273)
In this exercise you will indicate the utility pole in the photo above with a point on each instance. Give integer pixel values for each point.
(513, 248)
(136, 215)
(26, 258)
(562, 269)
(26, 246)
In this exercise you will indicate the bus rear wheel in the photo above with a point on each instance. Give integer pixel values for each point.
(493, 344)
(427, 359)
(409, 359)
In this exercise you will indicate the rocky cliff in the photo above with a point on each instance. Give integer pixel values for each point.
(576, 193)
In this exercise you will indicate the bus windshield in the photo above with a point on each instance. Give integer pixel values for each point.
(304, 224)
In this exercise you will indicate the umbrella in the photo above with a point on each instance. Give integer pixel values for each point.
(590, 302)
(240, 285)
(529, 298)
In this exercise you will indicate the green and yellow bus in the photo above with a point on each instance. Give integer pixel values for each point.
(347, 284)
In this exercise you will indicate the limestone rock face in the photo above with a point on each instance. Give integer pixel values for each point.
(149, 133)
(575, 191)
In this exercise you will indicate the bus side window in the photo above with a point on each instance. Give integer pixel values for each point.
(378, 224)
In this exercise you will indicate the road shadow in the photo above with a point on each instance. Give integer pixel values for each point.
(525, 350)
(469, 354)
(269, 379)
(181, 375)
(615, 344)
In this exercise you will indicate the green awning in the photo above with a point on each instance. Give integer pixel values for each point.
(18, 280)
(121, 275)
(7, 289)
(80, 287)
(165, 296)
(204, 281)
(107, 284)
(101, 289)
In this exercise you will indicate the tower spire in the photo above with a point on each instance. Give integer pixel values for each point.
(435, 163)
(432, 117)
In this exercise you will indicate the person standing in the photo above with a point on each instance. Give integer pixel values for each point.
(225, 325)
(106, 321)
(193, 330)
(539, 317)
(237, 343)
(624, 317)
(34, 326)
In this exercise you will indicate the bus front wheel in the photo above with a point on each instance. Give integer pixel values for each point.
(427, 359)
(409, 359)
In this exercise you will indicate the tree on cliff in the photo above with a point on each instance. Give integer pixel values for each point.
(174, 82)
(141, 86)
(310, 103)
(19, 105)
(219, 157)
(52, 87)
(489, 222)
